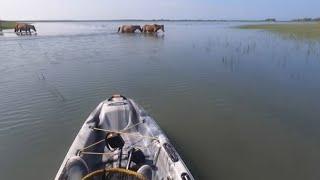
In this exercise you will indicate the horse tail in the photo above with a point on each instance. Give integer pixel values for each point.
(119, 28)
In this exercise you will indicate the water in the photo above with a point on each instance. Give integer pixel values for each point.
(237, 104)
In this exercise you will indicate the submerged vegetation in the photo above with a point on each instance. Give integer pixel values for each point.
(295, 30)
(7, 25)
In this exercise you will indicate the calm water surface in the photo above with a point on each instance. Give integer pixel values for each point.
(237, 104)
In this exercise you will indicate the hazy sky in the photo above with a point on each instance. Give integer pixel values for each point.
(156, 9)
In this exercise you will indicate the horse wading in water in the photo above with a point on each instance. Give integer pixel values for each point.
(20, 27)
(129, 28)
(152, 28)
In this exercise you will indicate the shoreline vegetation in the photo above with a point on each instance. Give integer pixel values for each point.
(295, 30)
(7, 25)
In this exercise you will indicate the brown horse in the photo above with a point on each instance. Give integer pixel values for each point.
(153, 28)
(24, 27)
(129, 28)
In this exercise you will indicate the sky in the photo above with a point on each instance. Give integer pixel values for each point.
(157, 9)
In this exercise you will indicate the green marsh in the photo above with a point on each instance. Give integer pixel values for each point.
(7, 24)
(295, 30)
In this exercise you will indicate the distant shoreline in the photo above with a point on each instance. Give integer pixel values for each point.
(11, 24)
(168, 20)
(143, 20)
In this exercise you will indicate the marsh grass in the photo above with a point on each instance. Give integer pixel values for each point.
(7, 24)
(292, 30)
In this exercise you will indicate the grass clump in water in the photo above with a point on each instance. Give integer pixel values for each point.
(297, 30)
(7, 25)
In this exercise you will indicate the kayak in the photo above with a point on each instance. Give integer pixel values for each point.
(119, 140)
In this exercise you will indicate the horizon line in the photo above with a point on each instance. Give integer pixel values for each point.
(161, 19)
(60, 20)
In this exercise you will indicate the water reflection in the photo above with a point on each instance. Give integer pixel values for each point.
(26, 34)
(145, 35)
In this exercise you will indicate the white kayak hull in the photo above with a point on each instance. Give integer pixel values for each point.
(123, 116)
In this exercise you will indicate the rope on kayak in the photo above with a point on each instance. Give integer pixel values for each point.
(82, 151)
(130, 134)
(133, 126)
(109, 153)
(98, 142)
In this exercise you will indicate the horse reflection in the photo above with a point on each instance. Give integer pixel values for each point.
(154, 35)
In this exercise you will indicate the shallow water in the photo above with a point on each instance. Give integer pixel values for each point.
(237, 104)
